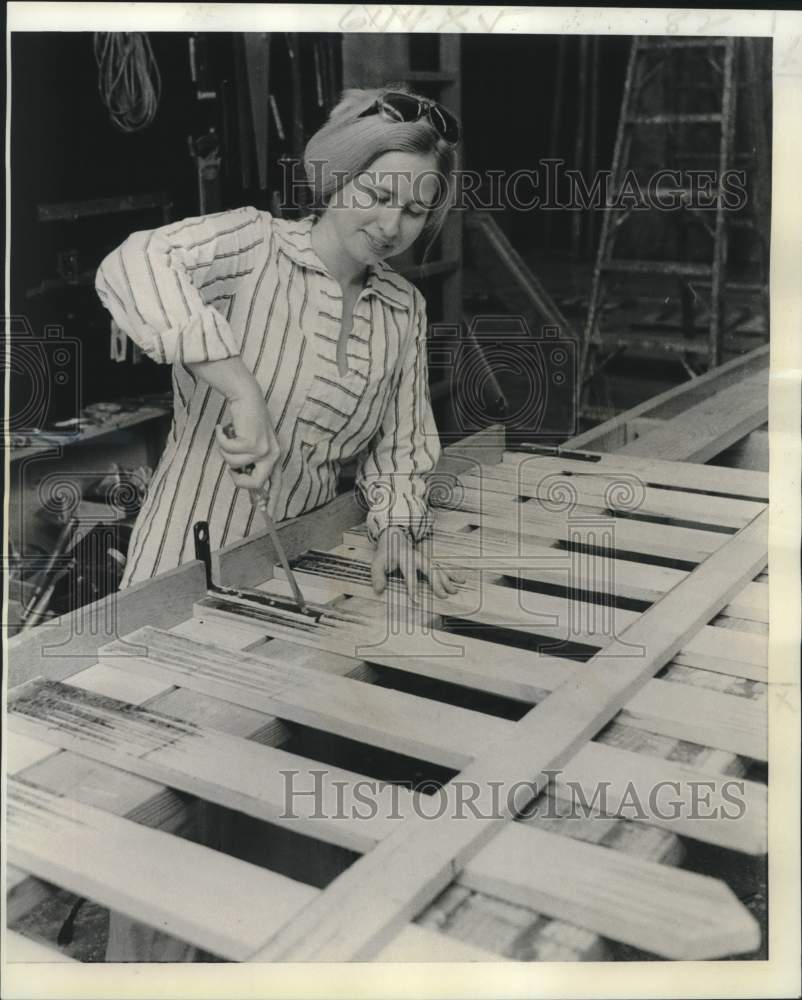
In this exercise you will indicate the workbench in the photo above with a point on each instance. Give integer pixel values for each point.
(613, 629)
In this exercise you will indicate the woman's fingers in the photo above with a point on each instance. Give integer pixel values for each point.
(253, 479)
(235, 445)
(378, 571)
(446, 581)
(239, 452)
(408, 565)
(250, 469)
(242, 461)
(257, 476)
(396, 551)
(438, 584)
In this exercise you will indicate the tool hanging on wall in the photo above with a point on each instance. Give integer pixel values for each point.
(277, 119)
(205, 87)
(205, 150)
(318, 76)
(117, 343)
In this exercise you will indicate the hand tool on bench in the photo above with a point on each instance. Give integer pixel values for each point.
(259, 499)
(265, 606)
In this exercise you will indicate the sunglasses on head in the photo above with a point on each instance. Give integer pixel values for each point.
(397, 107)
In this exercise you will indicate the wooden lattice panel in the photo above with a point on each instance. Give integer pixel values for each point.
(613, 627)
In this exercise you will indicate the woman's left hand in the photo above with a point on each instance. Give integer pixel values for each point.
(396, 551)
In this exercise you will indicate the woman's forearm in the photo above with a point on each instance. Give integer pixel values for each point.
(230, 377)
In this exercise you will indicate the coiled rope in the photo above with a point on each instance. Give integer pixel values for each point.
(128, 78)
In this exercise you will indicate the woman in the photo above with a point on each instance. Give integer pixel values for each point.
(301, 335)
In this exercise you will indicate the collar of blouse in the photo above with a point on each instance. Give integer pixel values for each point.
(294, 238)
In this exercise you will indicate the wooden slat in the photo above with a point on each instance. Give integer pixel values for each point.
(516, 932)
(231, 772)
(615, 774)
(522, 556)
(728, 651)
(736, 724)
(22, 752)
(107, 880)
(599, 490)
(708, 428)
(196, 894)
(528, 676)
(609, 436)
(674, 914)
(63, 646)
(365, 906)
(389, 719)
(416, 944)
(246, 562)
(540, 936)
(657, 471)
(529, 517)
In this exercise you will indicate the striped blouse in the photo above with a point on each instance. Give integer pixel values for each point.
(244, 283)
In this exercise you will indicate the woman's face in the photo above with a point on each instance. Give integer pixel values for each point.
(380, 212)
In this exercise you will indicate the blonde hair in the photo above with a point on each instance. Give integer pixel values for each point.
(347, 144)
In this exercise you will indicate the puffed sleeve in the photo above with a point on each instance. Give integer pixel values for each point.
(390, 474)
(159, 285)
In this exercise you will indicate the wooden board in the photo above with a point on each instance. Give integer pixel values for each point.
(612, 435)
(707, 428)
(165, 881)
(655, 470)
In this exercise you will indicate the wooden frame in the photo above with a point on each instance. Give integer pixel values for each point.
(618, 432)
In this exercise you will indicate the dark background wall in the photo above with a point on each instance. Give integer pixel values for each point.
(509, 86)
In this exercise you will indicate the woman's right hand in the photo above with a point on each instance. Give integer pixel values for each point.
(253, 451)
(254, 442)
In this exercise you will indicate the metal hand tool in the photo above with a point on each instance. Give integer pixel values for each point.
(259, 499)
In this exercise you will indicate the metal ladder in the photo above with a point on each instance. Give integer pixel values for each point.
(599, 346)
